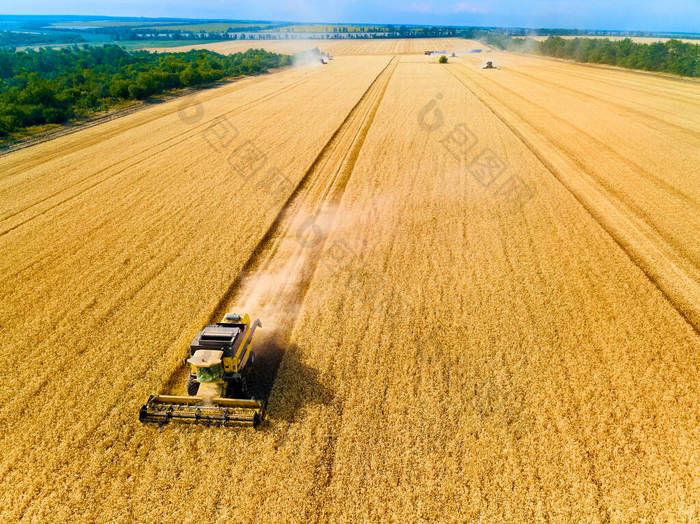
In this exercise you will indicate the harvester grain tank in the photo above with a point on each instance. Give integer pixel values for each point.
(221, 360)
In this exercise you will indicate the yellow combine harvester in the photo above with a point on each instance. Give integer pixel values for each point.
(220, 362)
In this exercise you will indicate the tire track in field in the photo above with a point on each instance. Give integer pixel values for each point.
(597, 73)
(236, 110)
(145, 119)
(148, 152)
(631, 165)
(681, 95)
(654, 83)
(283, 255)
(600, 99)
(670, 274)
(621, 81)
(588, 464)
(33, 263)
(319, 190)
(642, 87)
(96, 138)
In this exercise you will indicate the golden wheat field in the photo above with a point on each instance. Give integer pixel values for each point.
(480, 293)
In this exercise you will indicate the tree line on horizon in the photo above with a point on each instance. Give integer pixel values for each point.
(671, 56)
(12, 39)
(53, 86)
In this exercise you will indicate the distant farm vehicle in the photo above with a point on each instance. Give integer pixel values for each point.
(489, 65)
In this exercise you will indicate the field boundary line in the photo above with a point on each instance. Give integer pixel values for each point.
(625, 229)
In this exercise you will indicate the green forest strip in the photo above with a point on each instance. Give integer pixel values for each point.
(671, 56)
(12, 39)
(55, 86)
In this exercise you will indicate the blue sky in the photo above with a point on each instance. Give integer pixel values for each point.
(667, 15)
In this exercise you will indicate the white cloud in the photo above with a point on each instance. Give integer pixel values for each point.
(443, 8)
(419, 7)
(468, 7)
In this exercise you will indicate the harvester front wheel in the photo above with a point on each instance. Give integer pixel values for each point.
(192, 384)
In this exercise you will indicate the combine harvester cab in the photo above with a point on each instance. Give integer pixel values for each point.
(220, 362)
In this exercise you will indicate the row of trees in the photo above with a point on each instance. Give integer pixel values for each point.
(13, 39)
(671, 56)
(271, 33)
(53, 86)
